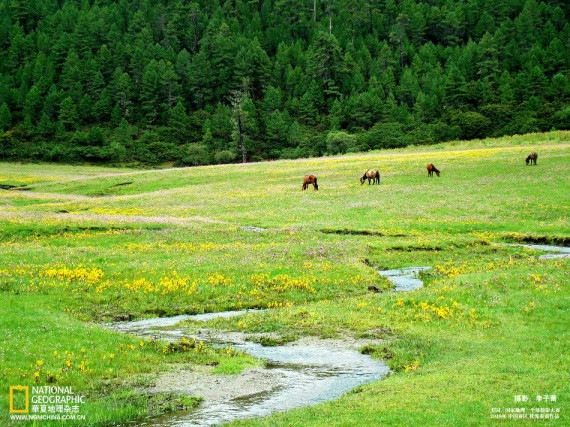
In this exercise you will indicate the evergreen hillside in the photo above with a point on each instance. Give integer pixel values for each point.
(199, 82)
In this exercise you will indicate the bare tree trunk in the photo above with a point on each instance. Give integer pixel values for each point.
(330, 7)
(241, 143)
(314, 10)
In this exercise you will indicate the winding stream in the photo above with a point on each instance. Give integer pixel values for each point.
(306, 372)
(303, 373)
(299, 374)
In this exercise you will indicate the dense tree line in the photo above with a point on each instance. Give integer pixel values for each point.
(198, 82)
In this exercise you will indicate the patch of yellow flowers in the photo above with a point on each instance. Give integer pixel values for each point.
(450, 271)
(414, 366)
(89, 275)
(438, 310)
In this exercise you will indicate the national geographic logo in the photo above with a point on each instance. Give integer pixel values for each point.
(19, 399)
(45, 403)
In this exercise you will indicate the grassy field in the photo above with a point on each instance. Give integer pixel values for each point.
(84, 245)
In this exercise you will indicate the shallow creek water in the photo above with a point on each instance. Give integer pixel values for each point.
(556, 251)
(404, 279)
(298, 374)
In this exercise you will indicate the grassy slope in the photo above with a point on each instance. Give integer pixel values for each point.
(505, 335)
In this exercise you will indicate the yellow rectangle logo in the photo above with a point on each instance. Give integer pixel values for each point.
(23, 388)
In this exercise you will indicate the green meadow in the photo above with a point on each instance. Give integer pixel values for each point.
(81, 246)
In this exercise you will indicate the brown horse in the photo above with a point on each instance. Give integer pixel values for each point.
(371, 175)
(431, 169)
(531, 158)
(310, 179)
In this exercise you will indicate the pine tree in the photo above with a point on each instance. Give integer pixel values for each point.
(455, 87)
(84, 109)
(5, 117)
(68, 114)
(408, 88)
(178, 124)
(45, 126)
(273, 99)
(103, 106)
(277, 130)
(120, 142)
(32, 106)
(169, 87)
(71, 76)
(293, 15)
(488, 65)
(326, 64)
(183, 67)
(253, 66)
(120, 90)
(207, 137)
(150, 93)
(335, 117)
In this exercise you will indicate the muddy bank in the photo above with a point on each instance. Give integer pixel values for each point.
(296, 375)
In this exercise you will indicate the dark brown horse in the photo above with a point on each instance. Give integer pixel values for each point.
(310, 180)
(531, 158)
(431, 169)
(371, 175)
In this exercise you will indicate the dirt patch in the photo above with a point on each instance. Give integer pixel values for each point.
(121, 184)
(414, 249)
(200, 381)
(14, 187)
(349, 232)
(539, 239)
(253, 229)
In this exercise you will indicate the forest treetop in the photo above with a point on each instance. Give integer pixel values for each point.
(199, 82)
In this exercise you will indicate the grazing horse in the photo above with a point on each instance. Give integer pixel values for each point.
(310, 179)
(531, 158)
(431, 169)
(371, 174)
